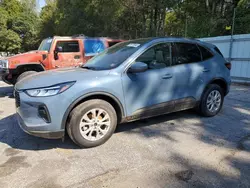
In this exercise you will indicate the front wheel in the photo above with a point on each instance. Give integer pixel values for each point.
(211, 101)
(92, 123)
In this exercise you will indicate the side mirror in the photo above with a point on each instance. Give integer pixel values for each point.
(56, 51)
(138, 67)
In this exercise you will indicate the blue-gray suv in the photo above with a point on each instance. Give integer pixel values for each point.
(130, 81)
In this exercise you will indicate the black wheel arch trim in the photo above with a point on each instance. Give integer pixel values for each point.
(72, 105)
(29, 64)
(221, 79)
(211, 81)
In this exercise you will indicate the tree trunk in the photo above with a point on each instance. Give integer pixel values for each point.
(155, 17)
(151, 23)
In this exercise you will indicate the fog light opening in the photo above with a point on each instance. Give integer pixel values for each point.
(44, 113)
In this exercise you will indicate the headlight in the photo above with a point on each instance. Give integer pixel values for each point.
(49, 91)
(4, 63)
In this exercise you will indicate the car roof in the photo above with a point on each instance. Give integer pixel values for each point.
(83, 37)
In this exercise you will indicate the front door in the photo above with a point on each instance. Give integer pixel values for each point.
(70, 55)
(146, 93)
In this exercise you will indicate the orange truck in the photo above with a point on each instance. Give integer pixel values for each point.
(55, 52)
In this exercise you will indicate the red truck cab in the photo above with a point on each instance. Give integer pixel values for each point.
(56, 52)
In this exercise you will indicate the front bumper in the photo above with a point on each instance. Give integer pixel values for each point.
(3, 73)
(42, 134)
(31, 121)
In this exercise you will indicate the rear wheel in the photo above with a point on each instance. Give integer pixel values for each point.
(24, 74)
(92, 123)
(211, 101)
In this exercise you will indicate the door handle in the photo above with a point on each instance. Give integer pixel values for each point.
(206, 70)
(167, 76)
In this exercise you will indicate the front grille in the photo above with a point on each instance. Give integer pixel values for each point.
(17, 97)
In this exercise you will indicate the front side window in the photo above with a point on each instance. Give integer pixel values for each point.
(184, 53)
(157, 56)
(68, 46)
(93, 47)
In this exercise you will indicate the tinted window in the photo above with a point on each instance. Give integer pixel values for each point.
(68, 46)
(115, 55)
(184, 53)
(112, 43)
(217, 50)
(45, 45)
(157, 56)
(205, 53)
(93, 47)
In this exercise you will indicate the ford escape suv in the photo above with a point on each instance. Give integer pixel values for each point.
(129, 81)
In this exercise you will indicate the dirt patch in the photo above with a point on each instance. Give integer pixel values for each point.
(44, 182)
(185, 175)
(12, 165)
(11, 152)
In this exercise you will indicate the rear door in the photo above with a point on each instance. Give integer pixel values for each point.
(209, 65)
(70, 55)
(187, 73)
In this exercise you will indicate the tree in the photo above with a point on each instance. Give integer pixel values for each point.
(9, 41)
(19, 21)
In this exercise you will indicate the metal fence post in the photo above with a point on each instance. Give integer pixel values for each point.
(232, 40)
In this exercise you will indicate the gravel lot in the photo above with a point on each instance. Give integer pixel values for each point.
(176, 150)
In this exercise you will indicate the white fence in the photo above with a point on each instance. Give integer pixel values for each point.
(240, 54)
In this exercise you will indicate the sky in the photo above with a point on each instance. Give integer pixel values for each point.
(41, 4)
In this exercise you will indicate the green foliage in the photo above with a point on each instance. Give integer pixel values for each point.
(205, 18)
(19, 24)
(9, 41)
(22, 27)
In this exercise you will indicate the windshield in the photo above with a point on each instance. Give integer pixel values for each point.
(45, 45)
(114, 56)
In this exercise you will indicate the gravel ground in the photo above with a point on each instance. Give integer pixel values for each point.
(176, 150)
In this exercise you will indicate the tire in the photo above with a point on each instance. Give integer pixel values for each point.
(77, 116)
(24, 74)
(204, 108)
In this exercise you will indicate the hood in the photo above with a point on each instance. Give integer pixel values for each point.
(53, 77)
(32, 56)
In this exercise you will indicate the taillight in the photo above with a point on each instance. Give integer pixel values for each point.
(228, 65)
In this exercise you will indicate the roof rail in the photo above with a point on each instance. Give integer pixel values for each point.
(79, 35)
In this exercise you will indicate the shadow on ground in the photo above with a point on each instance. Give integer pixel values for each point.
(6, 91)
(194, 175)
(12, 135)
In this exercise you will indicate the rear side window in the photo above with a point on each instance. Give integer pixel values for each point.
(183, 53)
(68, 46)
(217, 50)
(93, 47)
(205, 53)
